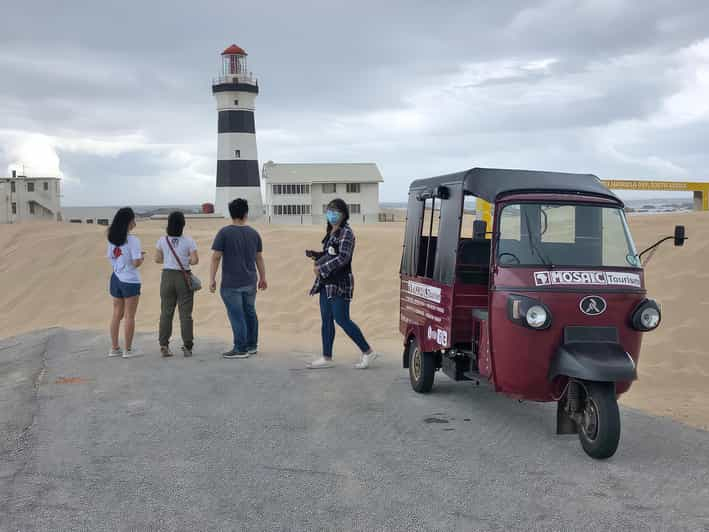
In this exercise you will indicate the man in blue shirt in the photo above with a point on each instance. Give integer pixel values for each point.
(240, 247)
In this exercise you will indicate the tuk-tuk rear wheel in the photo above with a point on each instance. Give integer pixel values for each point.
(422, 368)
(599, 423)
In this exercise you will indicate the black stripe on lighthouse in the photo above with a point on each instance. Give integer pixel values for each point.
(237, 173)
(236, 122)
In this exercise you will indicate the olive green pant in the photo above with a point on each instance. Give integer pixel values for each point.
(174, 292)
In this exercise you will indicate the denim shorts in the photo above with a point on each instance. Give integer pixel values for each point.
(122, 290)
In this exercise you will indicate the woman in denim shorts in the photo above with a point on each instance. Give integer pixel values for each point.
(126, 257)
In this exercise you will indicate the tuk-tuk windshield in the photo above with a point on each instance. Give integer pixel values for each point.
(564, 235)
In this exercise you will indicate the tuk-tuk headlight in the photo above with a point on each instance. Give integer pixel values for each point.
(536, 317)
(646, 316)
(528, 312)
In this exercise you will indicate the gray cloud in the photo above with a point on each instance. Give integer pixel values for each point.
(122, 91)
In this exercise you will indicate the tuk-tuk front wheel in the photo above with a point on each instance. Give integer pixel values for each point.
(422, 368)
(599, 420)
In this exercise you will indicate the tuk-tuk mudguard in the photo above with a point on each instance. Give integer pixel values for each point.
(593, 361)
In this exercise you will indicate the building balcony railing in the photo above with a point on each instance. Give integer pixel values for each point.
(245, 77)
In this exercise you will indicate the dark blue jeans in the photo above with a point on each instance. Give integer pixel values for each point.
(337, 310)
(240, 306)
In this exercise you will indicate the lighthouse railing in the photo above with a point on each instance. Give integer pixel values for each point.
(235, 78)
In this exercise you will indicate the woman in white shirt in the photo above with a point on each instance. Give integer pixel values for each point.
(126, 257)
(177, 253)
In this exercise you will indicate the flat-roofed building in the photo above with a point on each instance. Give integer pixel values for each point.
(299, 192)
(25, 198)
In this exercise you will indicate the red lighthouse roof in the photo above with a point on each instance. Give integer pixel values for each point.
(234, 50)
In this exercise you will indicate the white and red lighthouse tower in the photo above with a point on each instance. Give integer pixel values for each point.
(237, 167)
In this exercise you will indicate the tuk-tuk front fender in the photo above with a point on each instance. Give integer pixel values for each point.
(593, 361)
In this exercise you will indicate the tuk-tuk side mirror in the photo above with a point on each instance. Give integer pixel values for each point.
(678, 238)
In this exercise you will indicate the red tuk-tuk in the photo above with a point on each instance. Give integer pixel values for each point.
(547, 305)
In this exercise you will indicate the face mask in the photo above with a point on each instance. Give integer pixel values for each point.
(333, 216)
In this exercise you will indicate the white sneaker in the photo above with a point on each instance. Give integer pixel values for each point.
(115, 353)
(366, 360)
(132, 353)
(320, 363)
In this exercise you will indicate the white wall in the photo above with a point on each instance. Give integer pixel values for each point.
(225, 195)
(4, 203)
(227, 143)
(225, 100)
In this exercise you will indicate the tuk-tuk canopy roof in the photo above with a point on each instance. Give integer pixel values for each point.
(491, 183)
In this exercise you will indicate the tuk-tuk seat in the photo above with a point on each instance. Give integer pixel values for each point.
(474, 256)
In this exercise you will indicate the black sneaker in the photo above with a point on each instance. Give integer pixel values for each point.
(186, 352)
(235, 354)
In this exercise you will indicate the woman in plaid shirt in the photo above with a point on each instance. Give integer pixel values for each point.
(335, 284)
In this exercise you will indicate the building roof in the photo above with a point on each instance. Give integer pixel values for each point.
(322, 173)
(490, 183)
(20, 177)
(234, 50)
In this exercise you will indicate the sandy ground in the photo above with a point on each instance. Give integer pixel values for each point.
(57, 275)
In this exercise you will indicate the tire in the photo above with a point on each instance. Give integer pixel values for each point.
(422, 368)
(599, 429)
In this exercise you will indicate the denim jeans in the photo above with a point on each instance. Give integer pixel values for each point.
(240, 306)
(337, 310)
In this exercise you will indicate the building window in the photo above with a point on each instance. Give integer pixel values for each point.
(12, 187)
(236, 102)
(14, 207)
(329, 188)
(74, 221)
(291, 210)
(354, 208)
(31, 208)
(46, 186)
(89, 220)
(102, 221)
(30, 187)
(237, 154)
(353, 188)
(297, 189)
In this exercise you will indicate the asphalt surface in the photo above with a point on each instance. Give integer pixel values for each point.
(91, 443)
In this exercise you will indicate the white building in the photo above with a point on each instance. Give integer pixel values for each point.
(29, 198)
(299, 193)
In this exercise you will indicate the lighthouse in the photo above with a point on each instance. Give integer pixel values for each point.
(235, 91)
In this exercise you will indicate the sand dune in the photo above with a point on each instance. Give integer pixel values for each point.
(56, 275)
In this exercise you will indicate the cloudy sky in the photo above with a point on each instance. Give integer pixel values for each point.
(115, 96)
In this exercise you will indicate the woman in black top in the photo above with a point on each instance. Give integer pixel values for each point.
(335, 284)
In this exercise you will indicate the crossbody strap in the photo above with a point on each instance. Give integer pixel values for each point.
(179, 262)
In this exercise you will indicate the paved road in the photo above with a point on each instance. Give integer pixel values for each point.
(262, 444)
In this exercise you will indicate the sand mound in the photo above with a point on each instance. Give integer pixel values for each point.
(56, 275)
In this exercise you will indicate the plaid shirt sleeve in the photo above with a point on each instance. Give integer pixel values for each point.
(347, 242)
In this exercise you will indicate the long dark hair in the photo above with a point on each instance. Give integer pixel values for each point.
(175, 223)
(340, 206)
(118, 230)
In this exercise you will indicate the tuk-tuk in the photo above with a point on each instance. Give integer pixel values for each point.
(547, 304)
